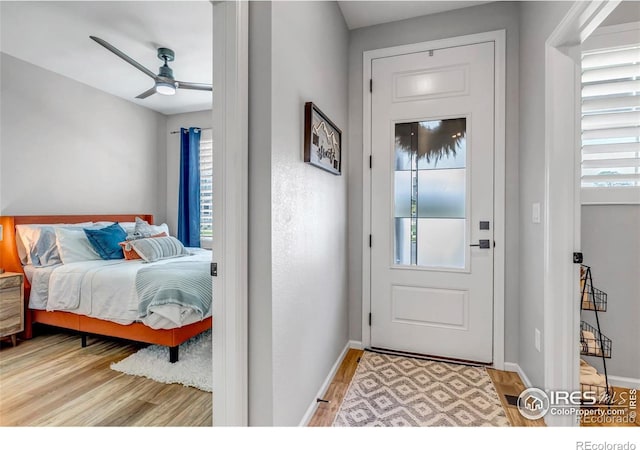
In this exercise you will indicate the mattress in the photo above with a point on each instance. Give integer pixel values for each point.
(106, 289)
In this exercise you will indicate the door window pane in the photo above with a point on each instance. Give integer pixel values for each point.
(403, 193)
(442, 144)
(405, 242)
(430, 193)
(441, 242)
(404, 136)
(441, 193)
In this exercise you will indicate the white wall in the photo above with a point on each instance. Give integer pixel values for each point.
(538, 19)
(67, 148)
(308, 214)
(260, 217)
(494, 16)
(611, 246)
(201, 119)
(627, 11)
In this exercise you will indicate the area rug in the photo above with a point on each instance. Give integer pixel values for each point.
(396, 391)
(194, 367)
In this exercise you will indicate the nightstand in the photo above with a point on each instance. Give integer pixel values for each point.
(11, 305)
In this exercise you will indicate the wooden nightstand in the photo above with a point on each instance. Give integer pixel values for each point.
(11, 305)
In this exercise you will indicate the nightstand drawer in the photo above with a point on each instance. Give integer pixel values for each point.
(9, 282)
(11, 324)
(10, 302)
(11, 305)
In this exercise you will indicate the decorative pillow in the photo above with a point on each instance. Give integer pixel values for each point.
(27, 236)
(130, 253)
(154, 249)
(142, 229)
(127, 226)
(74, 246)
(44, 252)
(106, 241)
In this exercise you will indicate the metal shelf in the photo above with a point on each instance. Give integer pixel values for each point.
(599, 345)
(592, 341)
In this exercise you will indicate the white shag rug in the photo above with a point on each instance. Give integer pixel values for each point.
(194, 367)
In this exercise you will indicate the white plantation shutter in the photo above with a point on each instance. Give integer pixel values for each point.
(206, 188)
(611, 124)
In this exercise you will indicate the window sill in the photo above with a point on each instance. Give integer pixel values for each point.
(610, 196)
(206, 243)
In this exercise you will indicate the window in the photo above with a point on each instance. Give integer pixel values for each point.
(430, 195)
(206, 188)
(611, 119)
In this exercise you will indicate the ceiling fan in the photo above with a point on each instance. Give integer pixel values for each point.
(165, 84)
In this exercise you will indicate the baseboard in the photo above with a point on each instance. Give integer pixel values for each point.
(624, 382)
(325, 385)
(514, 367)
(358, 345)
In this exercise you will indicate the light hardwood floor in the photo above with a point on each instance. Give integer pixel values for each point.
(506, 384)
(51, 380)
(510, 383)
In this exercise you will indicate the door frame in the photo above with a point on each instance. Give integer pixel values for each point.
(231, 173)
(562, 196)
(499, 37)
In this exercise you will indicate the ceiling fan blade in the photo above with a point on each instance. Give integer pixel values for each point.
(194, 86)
(146, 94)
(131, 61)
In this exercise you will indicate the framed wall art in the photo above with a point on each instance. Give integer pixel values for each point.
(322, 140)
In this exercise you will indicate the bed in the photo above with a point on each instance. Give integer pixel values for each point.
(103, 297)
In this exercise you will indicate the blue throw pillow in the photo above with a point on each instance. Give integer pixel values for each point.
(106, 241)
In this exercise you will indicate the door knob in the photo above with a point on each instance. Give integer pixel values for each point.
(482, 243)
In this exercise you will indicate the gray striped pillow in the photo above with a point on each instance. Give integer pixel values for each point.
(154, 249)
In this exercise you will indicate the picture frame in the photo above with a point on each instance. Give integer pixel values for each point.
(322, 140)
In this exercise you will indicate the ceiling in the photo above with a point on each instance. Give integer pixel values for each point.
(55, 36)
(359, 14)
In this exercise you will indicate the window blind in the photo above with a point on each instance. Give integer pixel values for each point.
(206, 185)
(611, 119)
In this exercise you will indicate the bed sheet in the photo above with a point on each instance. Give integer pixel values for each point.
(105, 289)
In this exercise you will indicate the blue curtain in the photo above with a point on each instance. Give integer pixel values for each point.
(189, 194)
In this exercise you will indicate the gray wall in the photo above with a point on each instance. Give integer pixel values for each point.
(611, 246)
(202, 119)
(625, 12)
(308, 45)
(494, 16)
(537, 21)
(67, 148)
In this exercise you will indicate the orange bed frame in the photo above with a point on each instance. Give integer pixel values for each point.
(10, 261)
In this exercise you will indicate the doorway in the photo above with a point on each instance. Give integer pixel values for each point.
(434, 199)
(230, 178)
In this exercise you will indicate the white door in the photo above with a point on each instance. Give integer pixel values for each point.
(432, 202)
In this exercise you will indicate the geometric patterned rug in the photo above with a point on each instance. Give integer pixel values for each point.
(397, 391)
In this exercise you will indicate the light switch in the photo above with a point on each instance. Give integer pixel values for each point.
(535, 213)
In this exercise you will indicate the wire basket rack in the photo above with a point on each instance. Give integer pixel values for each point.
(593, 299)
(593, 342)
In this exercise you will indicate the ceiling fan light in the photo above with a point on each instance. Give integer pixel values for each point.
(165, 88)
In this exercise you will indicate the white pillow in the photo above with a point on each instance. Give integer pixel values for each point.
(74, 246)
(142, 229)
(28, 235)
(164, 228)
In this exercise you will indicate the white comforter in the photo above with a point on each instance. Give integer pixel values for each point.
(105, 289)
